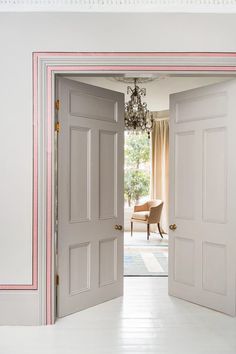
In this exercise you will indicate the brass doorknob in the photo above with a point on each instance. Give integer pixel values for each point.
(173, 227)
(118, 227)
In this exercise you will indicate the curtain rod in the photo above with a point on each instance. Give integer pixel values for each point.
(159, 119)
(160, 115)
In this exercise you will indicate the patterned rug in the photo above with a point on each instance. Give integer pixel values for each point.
(146, 260)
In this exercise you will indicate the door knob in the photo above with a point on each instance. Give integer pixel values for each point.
(173, 227)
(118, 227)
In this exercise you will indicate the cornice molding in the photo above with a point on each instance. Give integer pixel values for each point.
(189, 6)
(164, 63)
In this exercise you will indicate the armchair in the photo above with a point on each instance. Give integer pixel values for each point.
(148, 213)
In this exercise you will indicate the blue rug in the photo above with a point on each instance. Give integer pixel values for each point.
(148, 261)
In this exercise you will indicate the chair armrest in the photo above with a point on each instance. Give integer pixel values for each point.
(155, 214)
(141, 207)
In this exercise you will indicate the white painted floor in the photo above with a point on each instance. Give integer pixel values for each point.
(140, 239)
(146, 320)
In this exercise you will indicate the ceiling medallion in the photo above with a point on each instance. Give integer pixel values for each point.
(137, 117)
(139, 80)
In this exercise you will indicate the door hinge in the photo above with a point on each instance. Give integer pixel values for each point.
(57, 279)
(57, 127)
(57, 105)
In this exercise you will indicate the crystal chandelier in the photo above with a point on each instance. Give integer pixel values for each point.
(137, 116)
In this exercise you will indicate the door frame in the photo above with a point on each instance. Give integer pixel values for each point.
(46, 65)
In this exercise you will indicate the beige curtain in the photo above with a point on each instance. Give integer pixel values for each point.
(160, 163)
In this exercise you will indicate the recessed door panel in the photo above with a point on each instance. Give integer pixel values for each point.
(214, 268)
(79, 268)
(184, 175)
(215, 175)
(80, 180)
(92, 106)
(201, 107)
(107, 174)
(107, 261)
(184, 260)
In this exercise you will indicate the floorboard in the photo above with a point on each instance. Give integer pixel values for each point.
(145, 320)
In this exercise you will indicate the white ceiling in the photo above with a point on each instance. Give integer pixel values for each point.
(189, 6)
(158, 91)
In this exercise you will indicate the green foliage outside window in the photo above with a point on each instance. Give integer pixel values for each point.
(137, 167)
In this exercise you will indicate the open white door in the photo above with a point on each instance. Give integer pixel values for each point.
(202, 260)
(90, 195)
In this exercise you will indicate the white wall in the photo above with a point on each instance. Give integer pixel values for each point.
(20, 35)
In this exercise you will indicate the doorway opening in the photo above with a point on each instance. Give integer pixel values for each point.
(145, 246)
(145, 186)
(146, 174)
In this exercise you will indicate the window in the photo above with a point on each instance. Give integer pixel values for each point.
(137, 168)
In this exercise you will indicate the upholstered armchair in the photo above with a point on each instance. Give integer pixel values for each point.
(148, 213)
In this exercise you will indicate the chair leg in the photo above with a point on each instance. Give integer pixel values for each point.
(131, 228)
(148, 231)
(159, 229)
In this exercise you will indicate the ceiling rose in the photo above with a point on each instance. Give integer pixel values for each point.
(139, 80)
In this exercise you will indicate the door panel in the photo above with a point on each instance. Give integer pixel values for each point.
(79, 174)
(185, 175)
(215, 175)
(107, 261)
(108, 174)
(90, 195)
(202, 266)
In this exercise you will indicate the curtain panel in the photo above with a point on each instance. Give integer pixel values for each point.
(160, 163)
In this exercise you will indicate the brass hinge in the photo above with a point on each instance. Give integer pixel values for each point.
(57, 279)
(57, 127)
(57, 105)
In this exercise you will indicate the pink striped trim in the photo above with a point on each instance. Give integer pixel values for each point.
(35, 174)
(52, 70)
(142, 68)
(141, 54)
(49, 202)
